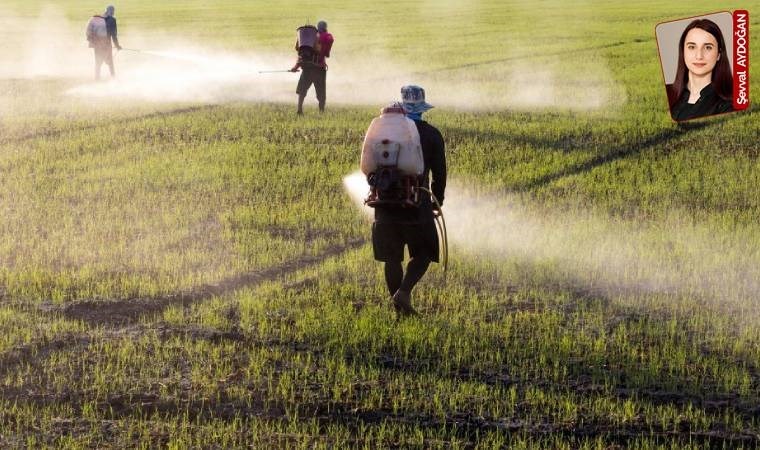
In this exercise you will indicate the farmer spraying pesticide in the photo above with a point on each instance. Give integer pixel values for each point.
(400, 153)
(101, 30)
(313, 45)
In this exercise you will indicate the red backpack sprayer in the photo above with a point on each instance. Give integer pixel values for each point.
(393, 163)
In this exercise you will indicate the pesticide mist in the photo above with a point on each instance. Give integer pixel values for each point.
(186, 73)
(171, 68)
(600, 254)
(197, 74)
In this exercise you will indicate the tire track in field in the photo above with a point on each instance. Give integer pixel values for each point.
(59, 132)
(125, 312)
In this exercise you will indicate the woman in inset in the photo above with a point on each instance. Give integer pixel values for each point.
(703, 85)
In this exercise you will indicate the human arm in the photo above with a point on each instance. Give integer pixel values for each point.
(326, 42)
(112, 32)
(298, 60)
(438, 166)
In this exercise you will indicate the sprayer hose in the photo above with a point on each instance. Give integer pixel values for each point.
(440, 224)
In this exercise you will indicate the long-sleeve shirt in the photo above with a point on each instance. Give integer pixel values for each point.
(111, 29)
(433, 153)
(324, 44)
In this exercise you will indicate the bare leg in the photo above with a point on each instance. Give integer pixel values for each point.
(110, 67)
(109, 61)
(414, 272)
(98, 63)
(320, 86)
(301, 97)
(394, 273)
(402, 299)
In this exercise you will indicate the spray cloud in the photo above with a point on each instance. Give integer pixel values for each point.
(171, 68)
(610, 255)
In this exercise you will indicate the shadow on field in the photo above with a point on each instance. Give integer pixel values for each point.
(225, 405)
(325, 410)
(471, 426)
(131, 310)
(455, 136)
(122, 121)
(468, 425)
(609, 155)
(528, 57)
(40, 350)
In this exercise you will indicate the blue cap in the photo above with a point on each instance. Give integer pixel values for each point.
(414, 99)
(322, 26)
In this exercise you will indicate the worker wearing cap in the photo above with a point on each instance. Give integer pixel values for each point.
(315, 72)
(396, 227)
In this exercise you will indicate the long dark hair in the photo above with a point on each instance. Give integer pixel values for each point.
(722, 80)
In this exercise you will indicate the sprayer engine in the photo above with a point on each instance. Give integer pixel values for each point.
(392, 159)
(388, 186)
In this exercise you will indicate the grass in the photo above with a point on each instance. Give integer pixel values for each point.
(193, 275)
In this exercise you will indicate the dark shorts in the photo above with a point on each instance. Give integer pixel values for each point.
(316, 76)
(389, 239)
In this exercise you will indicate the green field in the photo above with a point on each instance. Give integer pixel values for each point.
(181, 266)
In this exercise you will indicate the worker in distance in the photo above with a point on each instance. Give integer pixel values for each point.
(101, 31)
(313, 45)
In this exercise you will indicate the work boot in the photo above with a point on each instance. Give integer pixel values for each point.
(402, 303)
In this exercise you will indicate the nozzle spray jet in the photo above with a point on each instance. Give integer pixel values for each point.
(190, 58)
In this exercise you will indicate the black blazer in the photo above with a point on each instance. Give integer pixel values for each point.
(709, 103)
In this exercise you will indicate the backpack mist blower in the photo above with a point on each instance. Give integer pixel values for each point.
(307, 46)
(393, 163)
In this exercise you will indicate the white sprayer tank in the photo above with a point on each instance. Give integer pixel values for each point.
(96, 28)
(392, 140)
